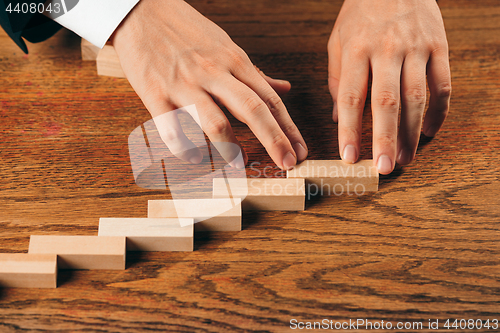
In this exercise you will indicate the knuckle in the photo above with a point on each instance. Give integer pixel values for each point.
(350, 133)
(151, 90)
(289, 128)
(391, 44)
(415, 47)
(208, 66)
(274, 103)
(278, 138)
(416, 96)
(444, 91)
(237, 58)
(351, 100)
(253, 105)
(412, 47)
(172, 135)
(357, 49)
(387, 46)
(387, 99)
(217, 126)
(385, 140)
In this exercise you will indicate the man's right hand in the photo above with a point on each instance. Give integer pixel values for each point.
(173, 57)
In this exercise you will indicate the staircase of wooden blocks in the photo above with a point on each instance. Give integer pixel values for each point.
(171, 224)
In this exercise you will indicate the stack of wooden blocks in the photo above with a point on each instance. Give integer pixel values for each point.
(171, 224)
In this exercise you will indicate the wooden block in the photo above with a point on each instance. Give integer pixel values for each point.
(208, 214)
(108, 63)
(82, 252)
(263, 193)
(335, 177)
(89, 51)
(22, 270)
(150, 234)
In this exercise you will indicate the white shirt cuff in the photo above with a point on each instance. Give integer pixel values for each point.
(96, 20)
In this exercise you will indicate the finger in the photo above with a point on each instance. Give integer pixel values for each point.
(249, 108)
(277, 109)
(353, 86)
(413, 97)
(280, 86)
(218, 129)
(333, 86)
(439, 78)
(171, 133)
(334, 65)
(385, 108)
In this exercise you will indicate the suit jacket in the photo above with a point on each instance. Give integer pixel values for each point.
(32, 27)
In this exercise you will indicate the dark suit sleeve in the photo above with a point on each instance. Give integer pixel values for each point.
(34, 28)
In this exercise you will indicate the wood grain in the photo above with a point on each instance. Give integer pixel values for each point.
(425, 246)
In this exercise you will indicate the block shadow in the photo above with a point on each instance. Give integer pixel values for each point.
(134, 258)
(424, 141)
(313, 200)
(65, 276)
(203, 238)
(249, 218)
(384, 180)
(399, 170)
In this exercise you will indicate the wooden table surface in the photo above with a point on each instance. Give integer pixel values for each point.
(426, 246)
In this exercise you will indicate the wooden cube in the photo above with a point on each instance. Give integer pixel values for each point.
(151, 234)
(89, 50)
(82, 252)
(108, 63)
(263, 193)
(22, 270)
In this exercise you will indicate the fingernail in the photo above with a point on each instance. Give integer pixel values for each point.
(300, 151)
(289, 161)
(350, 155)
(431, 131)
(404, 157)
(384, 165)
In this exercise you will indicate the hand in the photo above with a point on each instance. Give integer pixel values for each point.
(175, 57)
(398, 42)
